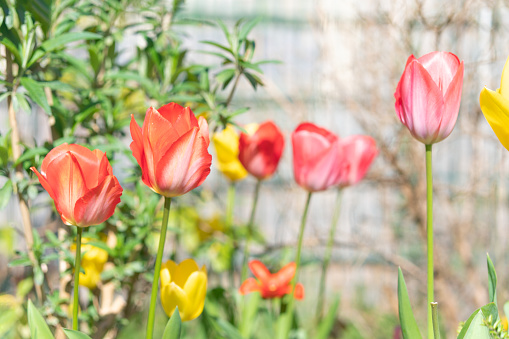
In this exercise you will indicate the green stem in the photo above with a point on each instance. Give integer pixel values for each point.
(434, 315)
(429, 206)
(77, 265)
(157, 269)
(328, 254)
(228, 224)
(243, 275)
(230, 97)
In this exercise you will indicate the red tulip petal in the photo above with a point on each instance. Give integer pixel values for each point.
(442, 67)
(204, 129)
(312, 128)
(68, 185)
(298, 293)
(52, 155)
(99, 203)
(88, 161)
(45, 184)
(184, 166)
(138, 151)
(285, 275)
(181, 118)
(248, 286)
(260, 271)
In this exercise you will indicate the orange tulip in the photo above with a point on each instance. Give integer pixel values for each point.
(171, 149)
(261, 149)
(81, 183)
(271, 285)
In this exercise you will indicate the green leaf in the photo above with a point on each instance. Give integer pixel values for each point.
(31, 153)
(253, 79)
(225, 75)
(249, 313)
(20, 262)
(12, 48)
(224, 48)
(247, 27)
(492, 287)
(71, 334)
(474, 327)
(36, 93)
(406, 316)
(173, 327)
(229, 330)
(5, 194)
(38, 327)
(60, 41)
(326, 325)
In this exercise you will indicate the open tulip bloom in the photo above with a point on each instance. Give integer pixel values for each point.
(226, 144)
(85, 192)
(427, 102)
(272, 285)
(171, 149)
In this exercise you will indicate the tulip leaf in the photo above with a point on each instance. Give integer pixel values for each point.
(249, 312)
(229, 331)
(406, 316)
(474, 327)
(38, 327)
(492, 287)
(173, 327)
(71, 334)
(326, 325)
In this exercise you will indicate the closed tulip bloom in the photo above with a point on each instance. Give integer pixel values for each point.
(495, 107)
(92, 261)
(317, 157)
(270, 285)
(428, 95)
(261, 148)
(183, 285)
(171, 149)
(81, 183)
(359, 152)
(226, 143)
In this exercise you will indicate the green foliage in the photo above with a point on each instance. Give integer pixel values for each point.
(406, 316)
(38, 327)
(174, 327)
(475, 326)
(71, 334)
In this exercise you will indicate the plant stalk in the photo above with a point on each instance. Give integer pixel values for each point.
(228, 225)
(429, 207)
(77, 268)
(157, 269)
(434, 315)
(243, 275)
(328, 254)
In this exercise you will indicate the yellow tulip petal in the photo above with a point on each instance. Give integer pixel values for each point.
(495, 108)
(504, 81)
(173, 296)
(196, 289)
(165, 276)
(233, 170)
(90, 278)
(171, 266)
(183, 271)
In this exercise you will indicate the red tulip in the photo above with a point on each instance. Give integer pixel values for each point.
(271, 285)
(359, 152)
(171, 149)
(428, 95)
(318, 159)
(81, 183)
(260, 150)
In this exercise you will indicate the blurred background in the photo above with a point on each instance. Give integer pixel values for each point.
(340, 64)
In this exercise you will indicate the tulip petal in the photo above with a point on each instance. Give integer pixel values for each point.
(285, 275)
(260, 271)
(173, 296)
(184, 166)
(45, 184)
(181, 118)
(52, 155)
(183, 271)
(196, 289)
(316, 130)
(249, 285)
(359, 152)
(298, 293)
(99, 203)
(171, 267)
(452, 100)
(89, 162)
(442, 67)
(204, 129)
(495, 108)
(68, 185)
(504, 80)
(138, 150)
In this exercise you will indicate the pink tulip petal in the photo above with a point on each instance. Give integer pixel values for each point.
(452, 100)
(442, 67)
(204, 129)
(359, 153)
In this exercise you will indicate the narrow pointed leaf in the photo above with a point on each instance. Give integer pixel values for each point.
(173, 327)
(71, 334)
(474, 327)
(492, 287)
(406, 316)
(326, 325)
(38, 327)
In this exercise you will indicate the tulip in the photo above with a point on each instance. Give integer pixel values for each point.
(261, 148)
(92, 261)
(226, 143)
(270, 285)
(428, 95)
(359, 151)
(171, 149)
(318, 158)
(81, 183)
(495, 107)
(183, 285)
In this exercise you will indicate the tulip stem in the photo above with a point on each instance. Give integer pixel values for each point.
(243, 275)
(434, 315)
(328, 254)
(228, 224)
(77, 268)
(157, 269)
(429, 206)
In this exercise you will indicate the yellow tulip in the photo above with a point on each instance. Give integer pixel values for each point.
(495, 107)
(92, 262)
(226, 144)
(183, 285)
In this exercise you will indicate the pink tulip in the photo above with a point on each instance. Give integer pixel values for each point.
(428, 95)
(317, 157)
(359, 152)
